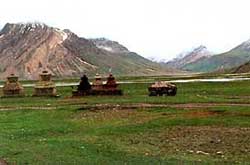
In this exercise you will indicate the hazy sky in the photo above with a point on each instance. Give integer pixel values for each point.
(160, 28)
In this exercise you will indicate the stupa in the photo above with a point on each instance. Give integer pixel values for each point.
(45, 86)
(97, 84)
(111, 82)
(12, 87)
(83, 88)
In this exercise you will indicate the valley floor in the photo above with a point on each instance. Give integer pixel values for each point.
(205, 123)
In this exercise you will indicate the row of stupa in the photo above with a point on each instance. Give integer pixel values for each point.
(44, 87)
(98, 87)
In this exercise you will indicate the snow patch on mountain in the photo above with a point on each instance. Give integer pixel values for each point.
(63, 34)
(245, 45)
(109, 45)
(158, 60)
(109, 49)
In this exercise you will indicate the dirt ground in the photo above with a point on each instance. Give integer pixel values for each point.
(221, 142)
(3, 162)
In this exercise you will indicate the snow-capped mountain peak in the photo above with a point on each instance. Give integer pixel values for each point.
(190, 57)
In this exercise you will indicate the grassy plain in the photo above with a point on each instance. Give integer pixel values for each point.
(205, 123)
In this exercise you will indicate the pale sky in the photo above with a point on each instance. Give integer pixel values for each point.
(159, 28)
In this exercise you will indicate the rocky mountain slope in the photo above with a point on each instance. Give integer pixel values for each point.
(27, 49)
(245, 68)
(231, 59)
(183, 60)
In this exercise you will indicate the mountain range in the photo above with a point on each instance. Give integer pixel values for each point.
(185, 59)
(206, 62)
(28, 48)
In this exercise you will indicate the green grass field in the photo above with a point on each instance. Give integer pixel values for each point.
(205, 123)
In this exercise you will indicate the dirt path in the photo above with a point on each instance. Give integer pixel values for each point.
(127, 106)
(12, 108)
(146, 105)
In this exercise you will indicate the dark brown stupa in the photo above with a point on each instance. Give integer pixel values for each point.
(109, 88)
(111, 82)
(45, 86)
(84, 88)
(12, 87)
(97, 87)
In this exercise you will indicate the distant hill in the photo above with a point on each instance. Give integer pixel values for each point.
(233, 58)
(245, 68)
(193, 56)
(27, 49)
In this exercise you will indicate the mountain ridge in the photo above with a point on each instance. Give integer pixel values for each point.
(27, 49)
(230, 59)
(186, 58)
